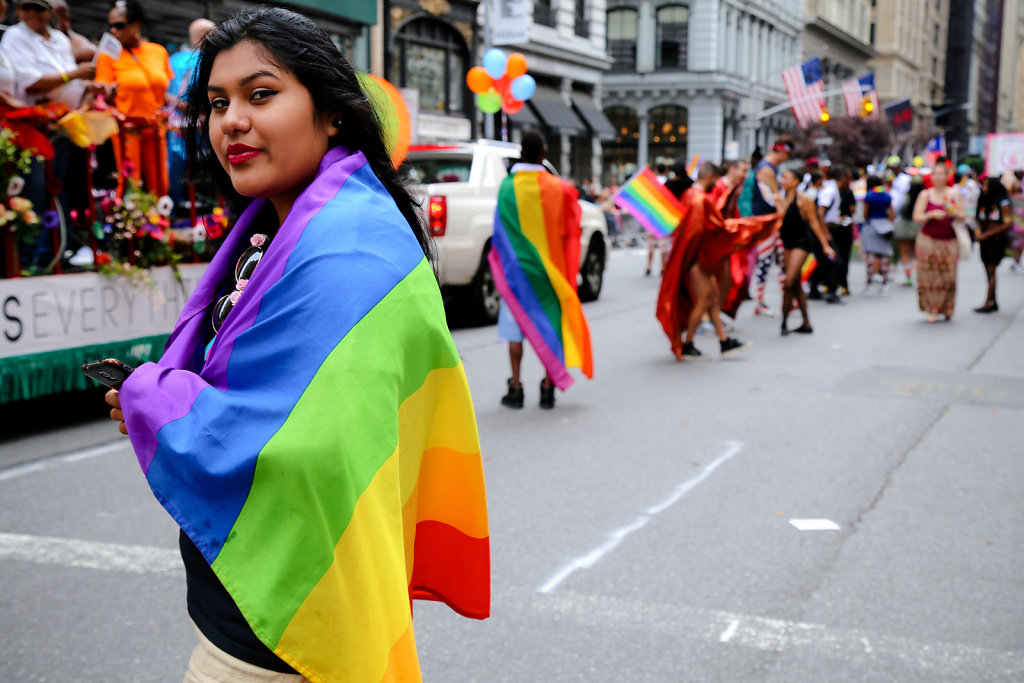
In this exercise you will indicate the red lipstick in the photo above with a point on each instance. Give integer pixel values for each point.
(239, 153)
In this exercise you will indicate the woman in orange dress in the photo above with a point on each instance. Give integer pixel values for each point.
(141, 75)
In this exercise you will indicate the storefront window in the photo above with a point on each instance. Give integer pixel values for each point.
(667, 130)
(620, 154)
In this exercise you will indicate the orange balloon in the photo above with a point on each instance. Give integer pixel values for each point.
(478, 80)
(515, 66)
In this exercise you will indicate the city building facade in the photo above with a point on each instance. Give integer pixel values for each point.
(693, 78)
(1010, 109)
(910, 37)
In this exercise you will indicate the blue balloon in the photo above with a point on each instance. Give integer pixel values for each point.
(494, 63)
(524, 87)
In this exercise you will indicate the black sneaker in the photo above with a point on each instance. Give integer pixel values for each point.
(547, 396)
(514, 397)
(814, 294)
(691, 352)
(731, 346)
(832, 298)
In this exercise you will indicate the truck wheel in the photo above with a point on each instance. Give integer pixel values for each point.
(592, 272)
(484, 299)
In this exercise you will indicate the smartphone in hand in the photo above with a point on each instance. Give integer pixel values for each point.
(108, 371)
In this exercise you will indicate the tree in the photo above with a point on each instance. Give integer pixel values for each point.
(856, 141)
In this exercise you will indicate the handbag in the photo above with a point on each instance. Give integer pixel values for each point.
(963, 240)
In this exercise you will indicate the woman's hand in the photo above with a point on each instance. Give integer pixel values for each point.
(116, 415)
(829, 252)
(84, 71)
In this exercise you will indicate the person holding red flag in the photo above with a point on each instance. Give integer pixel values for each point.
(702, 241)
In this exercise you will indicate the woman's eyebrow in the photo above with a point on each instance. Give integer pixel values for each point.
(245, 81)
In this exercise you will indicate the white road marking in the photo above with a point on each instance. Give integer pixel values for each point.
(953, 661)
(815, 524)
(73, 456)
(616, 537)
(70, 552)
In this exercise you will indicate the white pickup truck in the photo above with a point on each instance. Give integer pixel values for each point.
(458, 187)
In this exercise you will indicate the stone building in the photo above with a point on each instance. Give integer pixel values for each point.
(839, 32)
(694, 78)
(1010, 109)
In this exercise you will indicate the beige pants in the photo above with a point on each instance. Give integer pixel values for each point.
(210, 664)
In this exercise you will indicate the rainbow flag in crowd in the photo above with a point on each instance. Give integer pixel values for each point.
(651, 203)
(535, 256)
(691, 168)
(324, 457)
(808, 268)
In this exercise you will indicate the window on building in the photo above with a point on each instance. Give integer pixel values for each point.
(936, 34)
(673, 22)
(582, 27)
(622, 39)
(620, 154)
(935, 66)
(543, 13)
(667, 130)
(432, 57)
(871, 33)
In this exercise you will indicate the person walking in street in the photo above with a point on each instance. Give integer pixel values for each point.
(877, 233)
(800, 228)
(830, 213)
(905, 232)
(700, 244)
(936, 248)
(535, 256)
(765, 201)
(992, 231)
(310, 388)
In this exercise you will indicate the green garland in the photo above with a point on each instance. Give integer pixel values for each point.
(52, 372)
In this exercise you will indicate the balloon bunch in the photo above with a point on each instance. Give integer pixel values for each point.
(501, 83)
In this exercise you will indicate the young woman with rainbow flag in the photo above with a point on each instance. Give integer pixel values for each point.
(309, 426)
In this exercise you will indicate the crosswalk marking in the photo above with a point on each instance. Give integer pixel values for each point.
(71, 552)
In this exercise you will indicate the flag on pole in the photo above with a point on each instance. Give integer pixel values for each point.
(936, 148)
(691, 168)
(806, 91)
(651, 203)
(867, 89)
(110, 46)
(853, 97)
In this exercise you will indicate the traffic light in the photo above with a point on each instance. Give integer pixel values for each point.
(867, 106)
(825, 115)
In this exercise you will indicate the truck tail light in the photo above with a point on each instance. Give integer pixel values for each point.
(437, 213)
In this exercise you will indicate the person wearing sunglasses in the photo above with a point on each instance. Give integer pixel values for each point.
(141, 75)
(312, 433)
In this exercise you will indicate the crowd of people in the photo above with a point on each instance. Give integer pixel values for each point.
(909, 224)
(48, 70)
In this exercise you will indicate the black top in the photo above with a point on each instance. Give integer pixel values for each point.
(991, 203)
(847, 202)
(795, 232)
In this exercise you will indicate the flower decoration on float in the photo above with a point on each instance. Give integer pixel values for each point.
(501, 83)
(17, 215)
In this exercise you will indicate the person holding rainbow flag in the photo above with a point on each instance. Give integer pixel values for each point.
(535, 256)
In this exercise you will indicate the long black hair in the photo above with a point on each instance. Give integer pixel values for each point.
(297, 44)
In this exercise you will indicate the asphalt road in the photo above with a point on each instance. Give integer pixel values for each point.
(644, 530)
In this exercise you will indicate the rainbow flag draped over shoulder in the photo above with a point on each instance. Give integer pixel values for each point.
(324, 457)
(535, 256)
(651, 203)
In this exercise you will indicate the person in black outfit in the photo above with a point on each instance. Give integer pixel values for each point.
(992, 234)
(800, 228)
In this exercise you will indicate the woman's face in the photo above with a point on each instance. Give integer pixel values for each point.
(940, 174)
(36, 17)
(263, 126)
(789, 181)
(128, 34)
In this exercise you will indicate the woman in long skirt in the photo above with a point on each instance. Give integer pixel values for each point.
(936, 247)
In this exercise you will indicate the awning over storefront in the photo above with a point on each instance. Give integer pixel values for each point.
(361, 11)
(524, 118)
(595, 119)
(555, 113)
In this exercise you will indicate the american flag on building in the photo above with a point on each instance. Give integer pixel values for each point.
(806, 91)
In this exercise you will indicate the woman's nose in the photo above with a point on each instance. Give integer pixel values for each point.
(234, 119)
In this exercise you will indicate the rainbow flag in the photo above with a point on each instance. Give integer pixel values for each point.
(691, 168)
(651, 203)
(807, 269)
(535, 256)
(324, 457)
